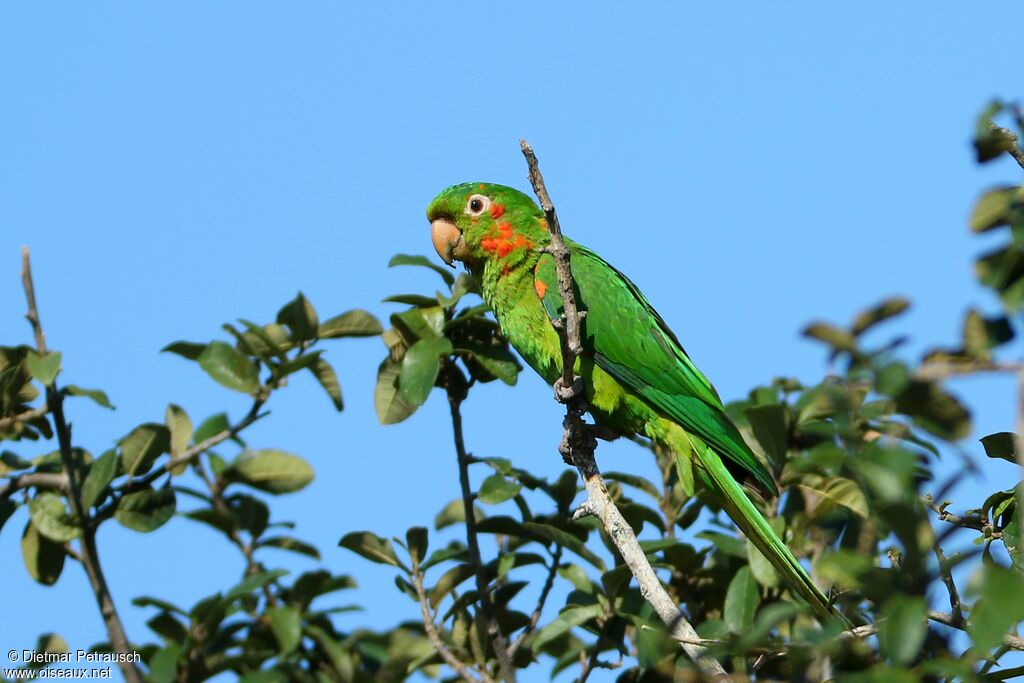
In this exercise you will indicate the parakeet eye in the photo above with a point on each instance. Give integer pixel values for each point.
(477, 204)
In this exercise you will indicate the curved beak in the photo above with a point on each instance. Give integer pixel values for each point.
(447, 239)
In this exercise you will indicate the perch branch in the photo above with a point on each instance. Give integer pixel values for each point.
(578, 443)
(89, 553)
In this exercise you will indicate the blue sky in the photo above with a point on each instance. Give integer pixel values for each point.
(750, 166)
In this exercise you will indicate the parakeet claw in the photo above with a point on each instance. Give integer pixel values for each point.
(565, 394)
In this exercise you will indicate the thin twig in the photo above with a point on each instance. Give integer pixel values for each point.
(435, 638)
(956, 611)
(975, 522)
(556, 558)
(26, 416)
(578, 443)
(1019, 439)
(1015, 642)
(939, 371)
(501, 648)
(89, 552)
(42, 480)
(1014, 149)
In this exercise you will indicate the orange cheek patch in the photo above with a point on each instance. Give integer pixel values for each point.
(497, 211)
(503, 241)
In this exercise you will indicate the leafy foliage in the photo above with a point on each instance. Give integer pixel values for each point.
(852, 453)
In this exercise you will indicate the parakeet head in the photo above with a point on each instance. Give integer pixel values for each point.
(476, 222)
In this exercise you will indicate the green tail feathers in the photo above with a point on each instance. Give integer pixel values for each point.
(758, 531)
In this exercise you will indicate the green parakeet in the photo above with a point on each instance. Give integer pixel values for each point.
(639, 379)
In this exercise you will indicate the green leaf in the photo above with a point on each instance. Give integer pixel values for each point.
(839, 340)
(902, 628)
(841, 491)
(497, 489)
(44, 559)
(416, 540)
(263, 340)
(43, 368)
(495, 358)
(101, 473)
(453, 551)
(412, 299)
(761, 568)
(889, 308)
(185, 349)
(455, 513)
(556, 535)
(354, 323)
(993, 208)
(7, 508)
(163, 665)
(146, 510)
(416, 260)
(328, 379)
(741, 601)
(179, 427)
(934, 410)
(1000, 607)
(1001, 445)
(286, 624)
(96, 395)
(564, 622)
(300, 317)
(211, 426)
(51, 518)
(271, 470)
(1012, 534)
(292, 544)
(420, 367)
(991, 141)
(230, 367)
(143, 446)
(370, 546)
(723, 543)
(769, 425)
(391, 407)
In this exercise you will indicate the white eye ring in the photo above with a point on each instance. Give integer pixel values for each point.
(477, 204)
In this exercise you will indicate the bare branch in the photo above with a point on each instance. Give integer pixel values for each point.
(42, 480)
(556, 558)
(26, 416)
(975, 522)
(938, 371)
(956, 611)
(578, 443)
(501, 648)
(435, 638)
(89, 552)
(1014, 642)
(1014, 149)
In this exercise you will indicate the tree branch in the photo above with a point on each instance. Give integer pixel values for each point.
(556, 558)
(578, 443)
(32, 414)
(89, 552)
(501, 648)
(435, 638)
(1014, 149)
(42, 480)
(956, 611)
